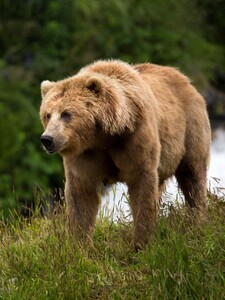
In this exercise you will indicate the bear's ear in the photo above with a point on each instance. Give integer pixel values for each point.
(46, 85)
(94, 84)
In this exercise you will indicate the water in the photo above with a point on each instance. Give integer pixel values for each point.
(217, 164)
(115, 204)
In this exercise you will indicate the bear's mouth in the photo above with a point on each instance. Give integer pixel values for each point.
(51, 151)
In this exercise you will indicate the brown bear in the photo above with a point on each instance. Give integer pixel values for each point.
(138, 124)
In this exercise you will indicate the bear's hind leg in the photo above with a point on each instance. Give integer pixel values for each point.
(192, 179)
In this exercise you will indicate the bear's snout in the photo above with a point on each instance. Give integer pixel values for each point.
(47, 142)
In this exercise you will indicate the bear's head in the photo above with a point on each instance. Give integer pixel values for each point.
(75, 110)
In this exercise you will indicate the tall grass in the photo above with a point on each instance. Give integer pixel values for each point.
(38, 260)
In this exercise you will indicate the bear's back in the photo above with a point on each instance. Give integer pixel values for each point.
(163, 73)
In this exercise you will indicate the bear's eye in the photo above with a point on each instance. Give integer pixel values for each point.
(66, 116)
(48, 116)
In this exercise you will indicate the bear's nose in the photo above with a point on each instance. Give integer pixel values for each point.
(47, 141)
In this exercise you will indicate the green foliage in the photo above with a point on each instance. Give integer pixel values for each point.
(22, 162)
(52, 39)
(40, 261)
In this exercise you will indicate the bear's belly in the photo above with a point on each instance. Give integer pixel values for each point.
(168, 164)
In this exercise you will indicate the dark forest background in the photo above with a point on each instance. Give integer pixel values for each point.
(52, 39)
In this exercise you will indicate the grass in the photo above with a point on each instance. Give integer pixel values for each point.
(38, 260)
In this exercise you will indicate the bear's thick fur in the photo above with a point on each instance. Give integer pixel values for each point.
(137, 124)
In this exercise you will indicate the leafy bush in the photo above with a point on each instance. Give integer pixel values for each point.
(22, 161)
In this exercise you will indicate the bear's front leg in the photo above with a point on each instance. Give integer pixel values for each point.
(143, 193)
(82, 204)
